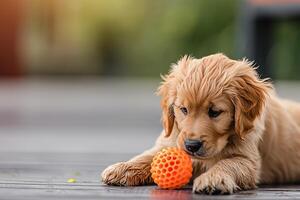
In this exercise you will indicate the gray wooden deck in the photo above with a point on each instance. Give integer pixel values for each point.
(45, 175)
(53, 130)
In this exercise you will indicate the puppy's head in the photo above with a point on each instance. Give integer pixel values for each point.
(211, 100)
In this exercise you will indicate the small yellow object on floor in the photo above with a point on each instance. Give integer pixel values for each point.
(71, 180)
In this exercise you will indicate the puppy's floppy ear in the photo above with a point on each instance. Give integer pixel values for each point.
(166, 104)
(168, 92)
(249, 97)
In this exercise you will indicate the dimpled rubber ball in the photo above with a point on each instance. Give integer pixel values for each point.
(171, 168)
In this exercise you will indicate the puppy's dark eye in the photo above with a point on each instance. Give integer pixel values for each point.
(214, 113)
(184, 110)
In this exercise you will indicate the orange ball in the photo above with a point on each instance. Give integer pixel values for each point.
(171, 168)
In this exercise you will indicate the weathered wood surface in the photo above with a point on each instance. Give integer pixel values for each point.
(58, 130)
(45, 175)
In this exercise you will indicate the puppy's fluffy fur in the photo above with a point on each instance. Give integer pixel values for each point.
(255, 139)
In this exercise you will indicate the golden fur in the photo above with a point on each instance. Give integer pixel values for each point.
(255, 139)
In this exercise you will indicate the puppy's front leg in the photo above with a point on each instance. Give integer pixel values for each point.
(133, 172)
(137, 170)
(227, 176)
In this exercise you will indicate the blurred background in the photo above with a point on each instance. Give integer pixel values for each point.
(80, 76)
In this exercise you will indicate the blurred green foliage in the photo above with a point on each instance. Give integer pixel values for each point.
(126, 37)
(144, 37)
(285, 51)
(141, 37)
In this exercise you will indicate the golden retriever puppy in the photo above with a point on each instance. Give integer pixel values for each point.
(237, 131)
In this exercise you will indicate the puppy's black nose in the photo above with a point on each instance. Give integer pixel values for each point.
(193, 145)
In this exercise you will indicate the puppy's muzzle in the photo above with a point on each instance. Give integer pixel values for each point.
(193, 146)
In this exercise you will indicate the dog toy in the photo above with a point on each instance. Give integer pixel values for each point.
(171, 168)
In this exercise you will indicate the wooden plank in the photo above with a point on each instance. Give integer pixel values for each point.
(56, 191)
(45, 175)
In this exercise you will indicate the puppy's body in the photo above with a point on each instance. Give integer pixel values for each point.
(247, 134)
(280, 144)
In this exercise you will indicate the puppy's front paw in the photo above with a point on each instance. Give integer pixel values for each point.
(127, 174)
(214, 183)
